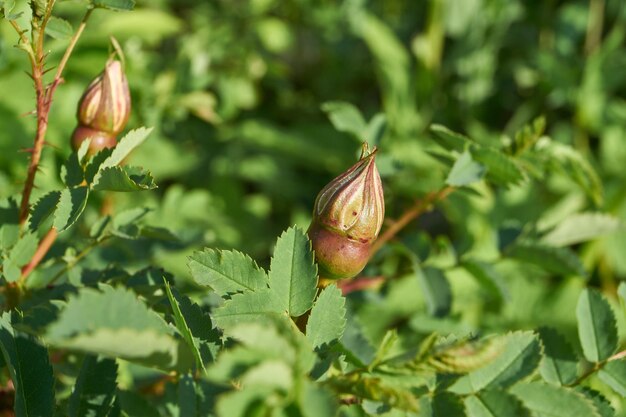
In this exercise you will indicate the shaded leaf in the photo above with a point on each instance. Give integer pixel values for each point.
(43, 209)
(449, 139)
(559, 364)
(488, 278)
(19, 255)
(435, 288)
(494, 403)
(501, 169)
(293, 272)
(95, 389)
(30, 371)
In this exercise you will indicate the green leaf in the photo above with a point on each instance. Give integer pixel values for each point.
(559, 364)
(614, 375)
(187, 398)
(519, 359)
(501, 169)
(328, 317)
(115, 323)
(131, 140)
(95, 389)
(448, 139)
(30, 371)
(72, 203)
(546, 400)
(293, 272)
(315, 401)
(443, 404)
(123, 179)
(58, 28)
(581, 227)
(43, 209)
(488, 278)
(601, 404)
(227, 272)
(345, 117)
(246, 307)
(465, 171)
(494, 403)
(19, 255)
(435, 288)
(117, 5)
(183, 328)
(5, 8)
(597, 329)
(72, 172)
(561, 261)
(573, 164)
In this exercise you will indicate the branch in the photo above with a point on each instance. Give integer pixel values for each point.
(420, 207)
(42, 250)
(44, 101)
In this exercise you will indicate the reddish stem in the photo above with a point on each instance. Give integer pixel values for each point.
(42, 250)
(421, 206)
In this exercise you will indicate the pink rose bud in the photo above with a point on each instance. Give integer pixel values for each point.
(347, 218)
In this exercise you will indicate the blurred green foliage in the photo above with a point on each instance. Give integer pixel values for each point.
(257, 104)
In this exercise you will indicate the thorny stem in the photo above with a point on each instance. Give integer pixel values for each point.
(44, 100)
(420, 207)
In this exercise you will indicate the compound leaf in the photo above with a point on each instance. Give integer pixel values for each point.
(597, 329)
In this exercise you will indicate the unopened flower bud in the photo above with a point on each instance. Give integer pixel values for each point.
(104, 109)
(347, 218)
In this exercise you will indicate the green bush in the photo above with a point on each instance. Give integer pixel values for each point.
(172, 275)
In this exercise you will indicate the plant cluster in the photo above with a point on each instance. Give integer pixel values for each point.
(441, 274)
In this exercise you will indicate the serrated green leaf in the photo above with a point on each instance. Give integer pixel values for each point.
(465, 171)
(559, 364)
(58, 28)
(519, 359)
(187, 398)
(227, 272)
(71, 205)
(601, 404)
(581, 227)
(123, 179)
(117, 5)
(546, 400)
(72, 172)
(614, 375)
(494, 403)
(560, 261)
(129, 142)
(435, 289)
(328, 317)
(597, 329)
(30, 370)
(448, 139)
(95, 389)
(466, 356)
(345, 117)
(293, 272)
(19, 255)
(501, 169)
(249, 306)
(43, 209)
(115, 323)
(183, 328)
